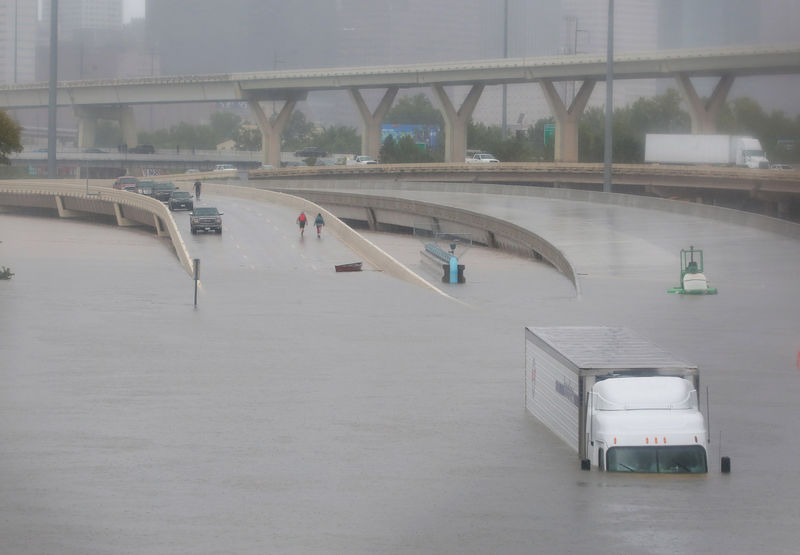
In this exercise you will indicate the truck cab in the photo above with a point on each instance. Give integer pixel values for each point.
(646, 424)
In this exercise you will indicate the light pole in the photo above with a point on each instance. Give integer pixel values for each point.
(505, 55)
(609, 100)
(51, 110)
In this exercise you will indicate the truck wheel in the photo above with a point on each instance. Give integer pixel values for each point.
(726, 465)
(586, 464)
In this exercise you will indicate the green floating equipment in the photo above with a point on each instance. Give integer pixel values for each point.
(693, 280)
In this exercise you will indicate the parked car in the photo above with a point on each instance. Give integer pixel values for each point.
(293, 164)
(124, 181)
(311, 152)
(224, 168)
(205, 218)
(180, 199)
(192, 170)
(364, 160)
(162, 191)
(142, 149)
(94, 151)
(267, 167)
(780, 167)
(325, 162)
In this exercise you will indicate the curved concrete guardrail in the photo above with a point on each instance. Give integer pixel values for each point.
(73, 200)
(70, 200)
(374, 210)
(373, 254)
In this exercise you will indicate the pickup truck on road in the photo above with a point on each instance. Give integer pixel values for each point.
(481, 158)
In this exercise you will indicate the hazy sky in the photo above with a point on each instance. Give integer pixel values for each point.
(131, 9)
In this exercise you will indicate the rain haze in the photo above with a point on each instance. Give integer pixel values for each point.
(297, 409)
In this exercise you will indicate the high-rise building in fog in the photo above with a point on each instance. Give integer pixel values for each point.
(18, 41)
(84, 15)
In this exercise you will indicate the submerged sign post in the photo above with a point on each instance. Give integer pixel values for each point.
(196, 277)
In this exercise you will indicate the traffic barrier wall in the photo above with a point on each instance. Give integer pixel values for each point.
(72, 199)
(371, 253)
(717, 213)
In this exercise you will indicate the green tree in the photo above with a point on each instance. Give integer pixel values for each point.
(224, 126)
(298, 132)
(10, 132)
(248, 138)
(415, 109)
(516, 148)
(404, 151)
(339, 138)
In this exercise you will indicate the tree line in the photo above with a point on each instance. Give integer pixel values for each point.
(779, 134)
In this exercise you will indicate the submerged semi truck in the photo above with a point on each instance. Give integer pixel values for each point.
(717, 150)
(622, 403)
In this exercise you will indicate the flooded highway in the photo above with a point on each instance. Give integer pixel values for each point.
(300, 410)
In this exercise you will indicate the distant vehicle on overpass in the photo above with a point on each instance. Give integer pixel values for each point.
(720, 150)
(481, 158)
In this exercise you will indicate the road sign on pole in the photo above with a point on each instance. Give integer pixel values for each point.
(549, 133)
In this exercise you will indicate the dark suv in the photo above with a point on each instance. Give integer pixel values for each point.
(180, 199)
(205, 218)
(142, 149)
(311, 152)
(162, 191)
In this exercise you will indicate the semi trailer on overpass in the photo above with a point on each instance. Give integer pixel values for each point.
(716, 150)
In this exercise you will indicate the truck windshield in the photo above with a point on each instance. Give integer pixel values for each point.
(680, 459)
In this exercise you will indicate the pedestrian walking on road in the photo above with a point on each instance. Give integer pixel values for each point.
(302, 221)
(197, 186)
(319, 222)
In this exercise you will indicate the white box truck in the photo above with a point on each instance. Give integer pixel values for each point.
(622, 403)
(718, 150)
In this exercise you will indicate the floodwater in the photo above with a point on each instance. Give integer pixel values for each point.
(300, 410)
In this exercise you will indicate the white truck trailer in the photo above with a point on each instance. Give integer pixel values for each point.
(622, 403)
(718, 150)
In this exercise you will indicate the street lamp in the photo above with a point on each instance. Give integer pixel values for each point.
(609, 99)
(51, 110)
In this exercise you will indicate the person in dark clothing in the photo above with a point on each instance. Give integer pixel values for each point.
(197, 186)
(318, 223)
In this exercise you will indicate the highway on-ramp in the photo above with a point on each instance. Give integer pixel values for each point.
(300, 410)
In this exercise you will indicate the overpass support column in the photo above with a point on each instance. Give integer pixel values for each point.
(271, 131)
(87, 128)
(371, 122)
(566, 147)
(87, 123)
(456, 121)
(127, 124)
(704, 115)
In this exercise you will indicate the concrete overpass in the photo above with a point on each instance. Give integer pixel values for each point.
(112, 99)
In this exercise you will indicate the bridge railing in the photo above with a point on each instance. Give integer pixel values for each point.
(72, 197)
